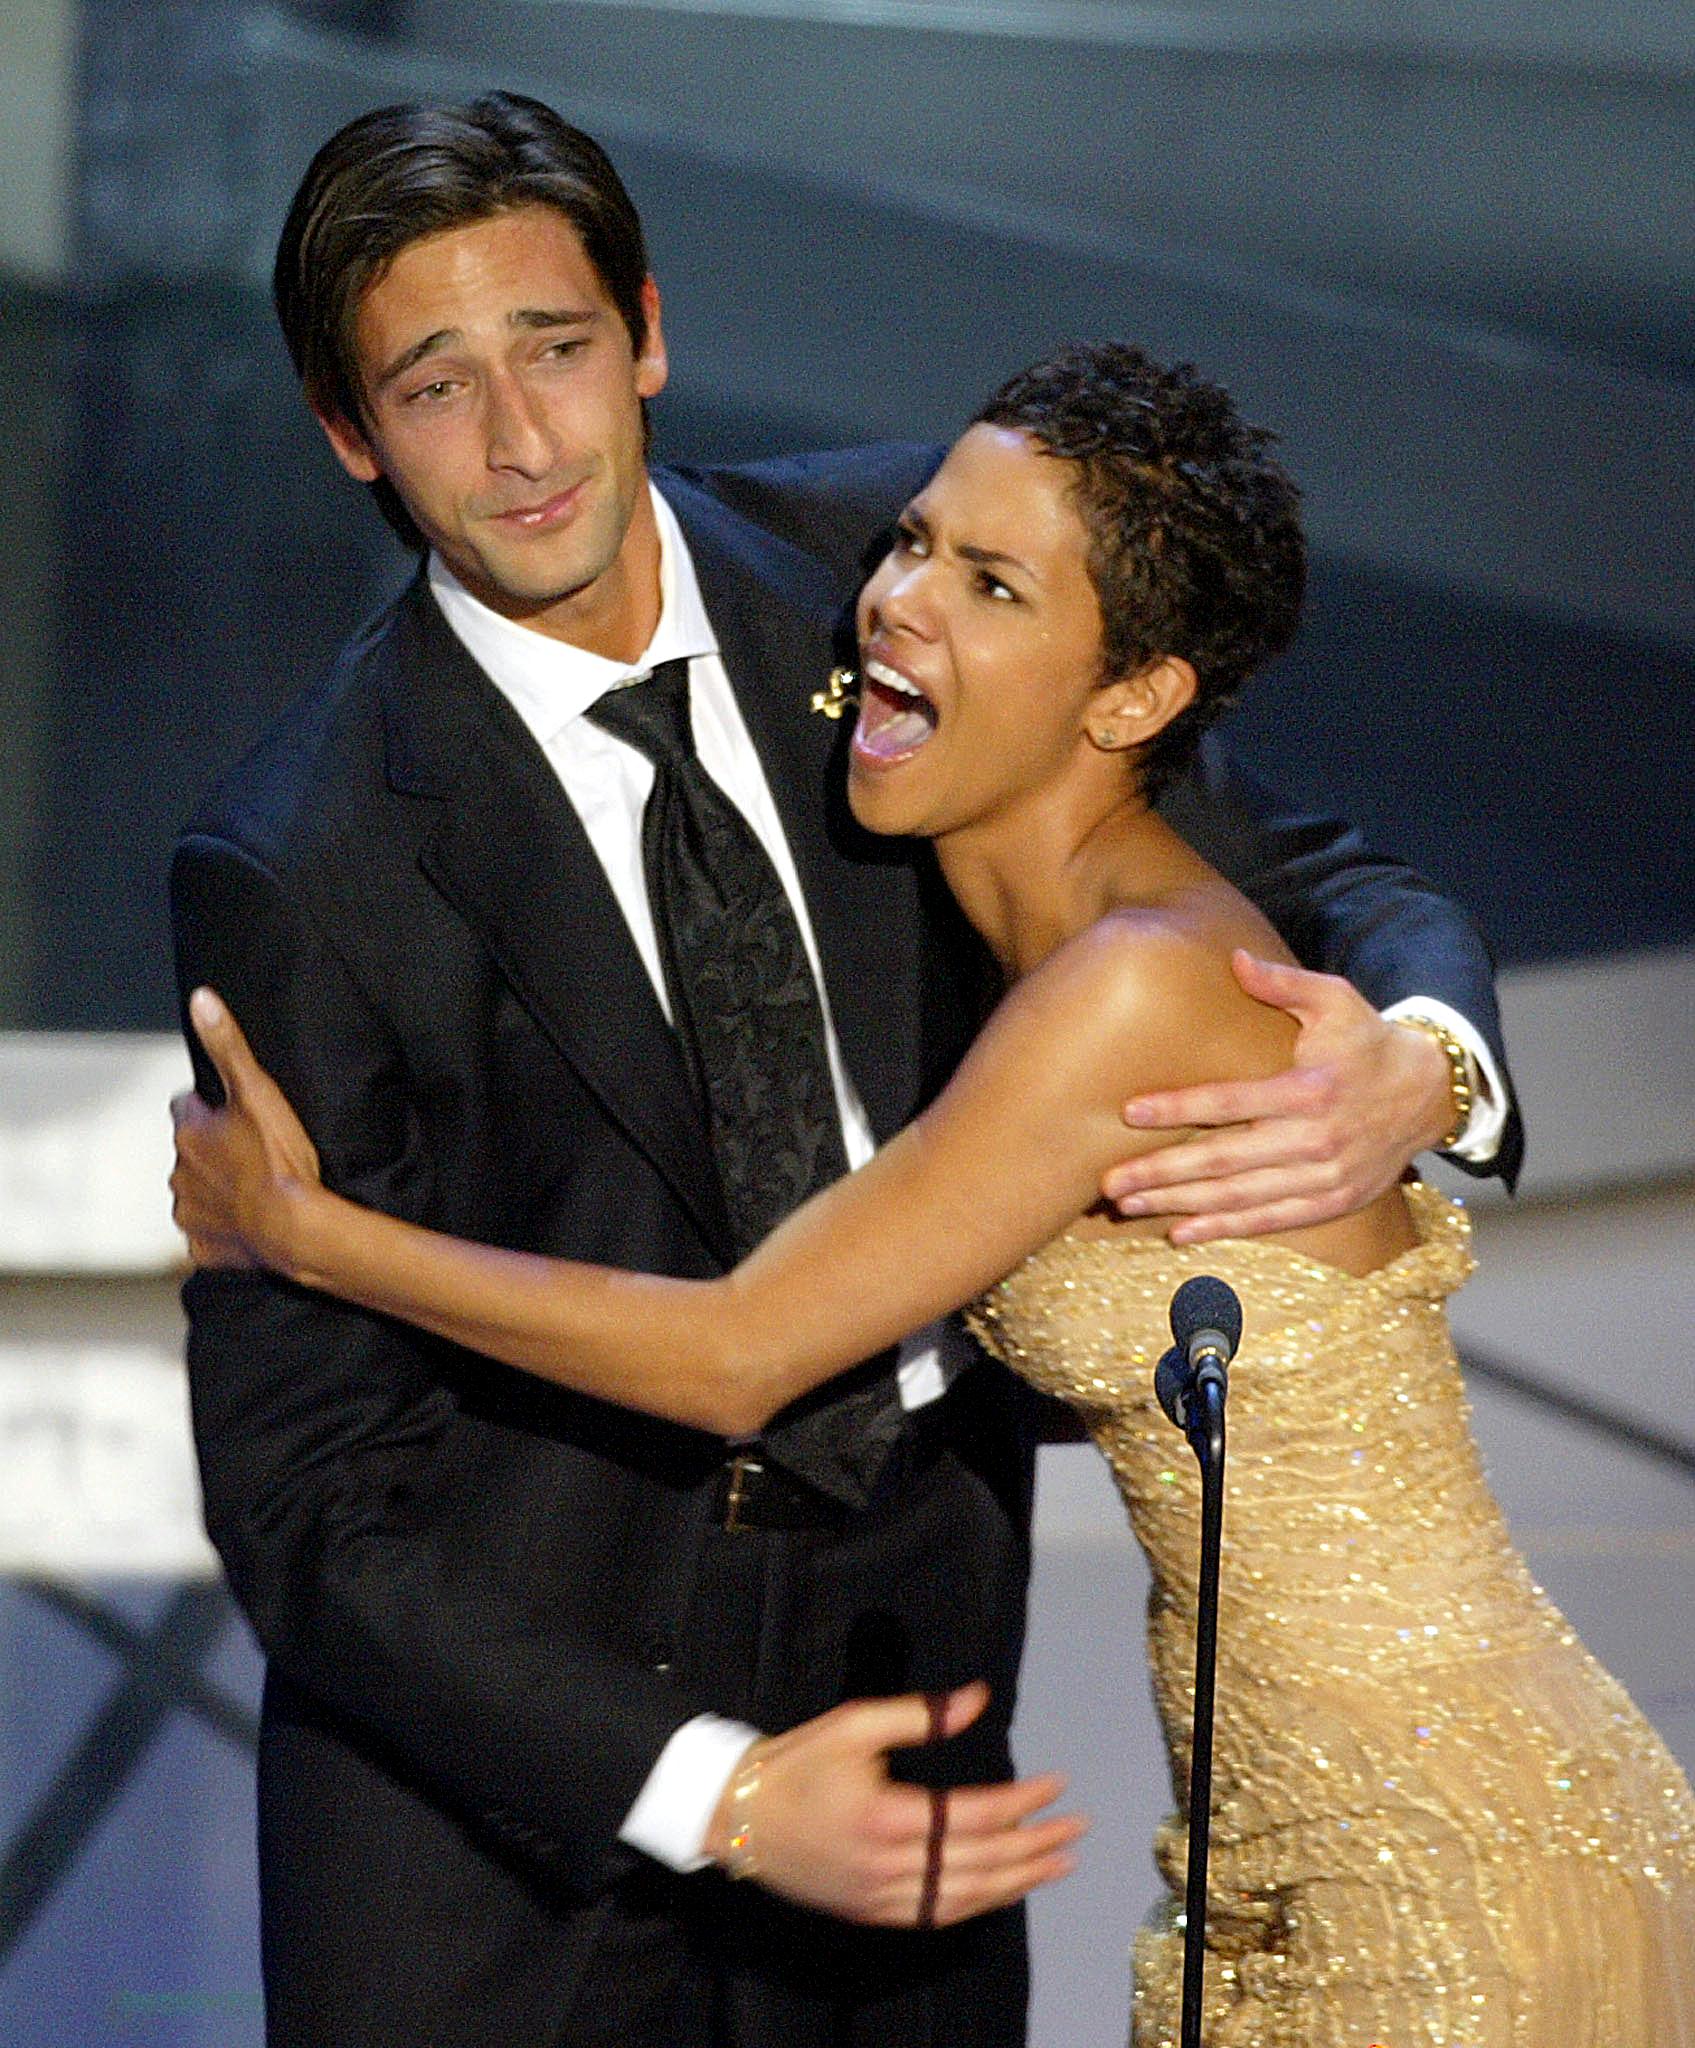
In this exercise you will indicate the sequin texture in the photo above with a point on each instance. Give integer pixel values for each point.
(1437, 1822)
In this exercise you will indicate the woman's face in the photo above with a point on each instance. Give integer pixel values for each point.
(980, 644)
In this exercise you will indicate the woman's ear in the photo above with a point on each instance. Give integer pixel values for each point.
(1129, 712)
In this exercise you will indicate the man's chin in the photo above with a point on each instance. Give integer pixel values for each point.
(522, 583)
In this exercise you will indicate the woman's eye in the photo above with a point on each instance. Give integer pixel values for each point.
(992, 586)
(909, 541)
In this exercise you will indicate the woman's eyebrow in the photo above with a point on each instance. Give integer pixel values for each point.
(989, 558)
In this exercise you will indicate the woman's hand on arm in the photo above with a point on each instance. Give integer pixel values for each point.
(243, 1171)
(247, 1192)
(1362, 1097)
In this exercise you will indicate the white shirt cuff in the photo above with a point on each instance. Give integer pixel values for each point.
(930, 1360)
(674, 1808)
(1481, 1139)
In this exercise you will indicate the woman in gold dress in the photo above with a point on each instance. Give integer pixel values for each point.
(1436, 1819)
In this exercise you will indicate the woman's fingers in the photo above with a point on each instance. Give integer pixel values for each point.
(189, 1111)
(223, 1254)
(248, 1089)
(225, 1043)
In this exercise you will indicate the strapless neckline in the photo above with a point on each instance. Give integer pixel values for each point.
(1431, 1268)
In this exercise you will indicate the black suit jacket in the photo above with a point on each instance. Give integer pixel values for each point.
(478, 1594)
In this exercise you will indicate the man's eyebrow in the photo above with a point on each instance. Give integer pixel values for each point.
(549, 316)
(415, 354)
(525, 317)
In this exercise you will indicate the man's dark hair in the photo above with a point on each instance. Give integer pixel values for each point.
(400, 173)
(1195, 543)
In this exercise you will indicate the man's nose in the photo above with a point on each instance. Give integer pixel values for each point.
(519, 436)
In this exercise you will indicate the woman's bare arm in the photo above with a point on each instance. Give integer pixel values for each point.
(1011, 1153)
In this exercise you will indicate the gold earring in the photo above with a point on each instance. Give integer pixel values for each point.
(838, 693)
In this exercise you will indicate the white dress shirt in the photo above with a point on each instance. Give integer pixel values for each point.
(550, 684)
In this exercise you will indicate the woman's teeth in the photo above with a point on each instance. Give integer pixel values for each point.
(895, 716)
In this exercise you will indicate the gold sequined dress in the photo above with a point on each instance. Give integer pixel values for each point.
(1436, 1819)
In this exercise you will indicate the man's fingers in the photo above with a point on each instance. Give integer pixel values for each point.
(1298, 1091)
(951, 1712)
(837, 1833)
(1317, 1180)
(984, 1878)
(1006, 1848)
(987, 1809)
(910, 1719)
(964, 1895)
(1285, 986)
(977, 1873)
(978, 1815)
(1290, 1214)
(1169, 1179)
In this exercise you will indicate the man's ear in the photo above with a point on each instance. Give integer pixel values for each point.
(352, 450)
(1129, 712)
(652, 364)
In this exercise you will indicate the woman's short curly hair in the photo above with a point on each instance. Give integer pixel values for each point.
(1195, 542)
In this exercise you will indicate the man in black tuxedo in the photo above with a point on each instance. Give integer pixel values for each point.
(520, 1642)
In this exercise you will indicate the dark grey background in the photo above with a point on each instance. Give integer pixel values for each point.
(1451, 261)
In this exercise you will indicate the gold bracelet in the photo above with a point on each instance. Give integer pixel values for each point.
(1462, 1086)
(739, 1859)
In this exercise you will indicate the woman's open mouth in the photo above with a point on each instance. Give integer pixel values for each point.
(895, 716)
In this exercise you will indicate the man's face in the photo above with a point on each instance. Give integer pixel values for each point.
(503, 404)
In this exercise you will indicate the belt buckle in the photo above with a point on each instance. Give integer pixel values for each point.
(745, 1470)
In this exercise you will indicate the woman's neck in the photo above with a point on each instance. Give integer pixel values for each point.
(1030, 881)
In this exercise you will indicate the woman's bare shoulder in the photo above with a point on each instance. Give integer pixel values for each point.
(1148, 990)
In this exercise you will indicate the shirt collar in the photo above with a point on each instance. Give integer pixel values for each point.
(550, 683)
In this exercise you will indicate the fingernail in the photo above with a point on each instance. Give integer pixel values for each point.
(205, 1008)
(1136, 1113)
(1133, 1205)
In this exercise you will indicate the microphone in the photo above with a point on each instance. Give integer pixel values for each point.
(1206, 1320)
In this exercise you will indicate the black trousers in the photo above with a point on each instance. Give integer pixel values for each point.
(700, 1962)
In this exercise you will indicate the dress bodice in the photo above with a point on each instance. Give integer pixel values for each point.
(1354, 1483)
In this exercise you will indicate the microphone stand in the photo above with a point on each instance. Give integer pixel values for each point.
(1190, 1383)
(1203, 1425)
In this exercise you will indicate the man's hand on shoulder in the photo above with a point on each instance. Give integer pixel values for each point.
(1362, 1099)
(824, 1825)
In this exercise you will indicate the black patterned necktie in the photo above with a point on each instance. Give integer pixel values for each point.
(751, 1028)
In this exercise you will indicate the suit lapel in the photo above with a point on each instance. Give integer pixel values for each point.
(775, 612)
(509, 852)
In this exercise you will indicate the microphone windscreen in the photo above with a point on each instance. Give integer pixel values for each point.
(1206, 1304)
(1172, 1381)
